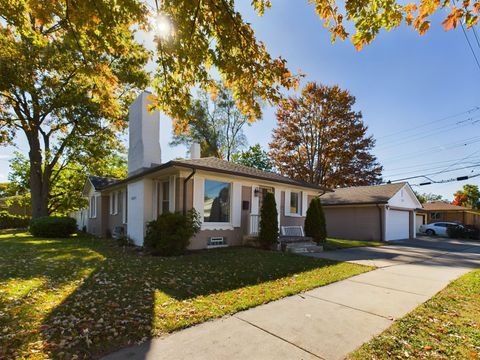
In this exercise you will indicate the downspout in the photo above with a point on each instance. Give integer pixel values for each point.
(382, 236)
(185, 190)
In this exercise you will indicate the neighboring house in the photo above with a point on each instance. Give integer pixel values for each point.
(227, 196)
(14, 205)
(438, 211)
(382, 212)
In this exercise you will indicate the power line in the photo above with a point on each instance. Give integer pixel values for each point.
(436, 173)
(476, 36)
(469, 111)
(460, 178)
(470, 45)
(430, 169)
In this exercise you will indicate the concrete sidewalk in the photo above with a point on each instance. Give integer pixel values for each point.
(325, 323)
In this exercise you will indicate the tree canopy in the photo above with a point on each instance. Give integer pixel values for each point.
(319, 138)
(469, 196)
(424, 197)
(69, 70)
(254, 157)
(216, 124)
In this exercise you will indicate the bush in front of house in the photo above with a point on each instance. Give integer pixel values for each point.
(11, 221)
(268, 232)
(53, 226)
(315, 225)
(170, 234)
(463, 232)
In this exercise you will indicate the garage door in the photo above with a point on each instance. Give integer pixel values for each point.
(397, 225)
(418, 222)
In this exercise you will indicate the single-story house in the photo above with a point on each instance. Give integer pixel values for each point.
(442, 211)
(381, 212)
(227, 196)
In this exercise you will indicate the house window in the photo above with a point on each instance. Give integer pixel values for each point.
(294, 203)
(125, 207)
(93, 206)
(165, 197)
(114, 203)
(435, 216)
(216, 203)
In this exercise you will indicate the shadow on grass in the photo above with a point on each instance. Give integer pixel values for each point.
(87, 297)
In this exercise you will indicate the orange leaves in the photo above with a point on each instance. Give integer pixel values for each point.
(453, 18)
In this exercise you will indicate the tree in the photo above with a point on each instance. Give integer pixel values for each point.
(66, 187)
(469, 196)
(321, 140)
(216, 124)
(212, 34)
(254, 157)
(315, 225)
(69, 70)
(268, 232)
(425, 198)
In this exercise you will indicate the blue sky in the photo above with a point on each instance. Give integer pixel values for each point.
(405, 86)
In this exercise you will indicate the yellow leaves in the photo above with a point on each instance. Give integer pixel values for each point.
(453, 18)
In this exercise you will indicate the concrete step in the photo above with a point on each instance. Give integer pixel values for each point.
(303, 247)
(294, 239)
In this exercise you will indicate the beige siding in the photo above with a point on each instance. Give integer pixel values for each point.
(98, 226)
(356, 223)
(245, 221)
(232, 238)
(117, 220)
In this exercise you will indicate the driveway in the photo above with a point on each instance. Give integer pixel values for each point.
(330, 321)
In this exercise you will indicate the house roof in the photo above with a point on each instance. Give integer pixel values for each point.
(443, 206)
(222, 166)
(100, 183)
(362, 195)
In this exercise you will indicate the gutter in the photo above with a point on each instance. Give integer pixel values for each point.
(194, 170)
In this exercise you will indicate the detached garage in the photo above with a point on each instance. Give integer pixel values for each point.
(381, 212)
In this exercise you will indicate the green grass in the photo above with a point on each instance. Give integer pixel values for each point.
(337, 244)
(445, 327)
(86, 297)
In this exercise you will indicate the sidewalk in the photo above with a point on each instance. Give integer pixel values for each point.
(325, 323)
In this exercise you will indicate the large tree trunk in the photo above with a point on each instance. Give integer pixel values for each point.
(39, 188)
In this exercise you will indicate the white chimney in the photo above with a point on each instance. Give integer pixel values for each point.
(144, 135)
(195, 151)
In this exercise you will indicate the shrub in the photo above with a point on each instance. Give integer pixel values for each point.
(315, 225)
(10, 221)
(170, 234)
(268, 234)
(463, 232)
(53, 226)
(124, 240)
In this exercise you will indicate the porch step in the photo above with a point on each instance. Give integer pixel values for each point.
(294, 239)
(303, 247)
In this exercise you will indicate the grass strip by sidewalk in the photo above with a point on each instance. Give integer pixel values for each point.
(83, 297)
(337, 244)
(445, 327)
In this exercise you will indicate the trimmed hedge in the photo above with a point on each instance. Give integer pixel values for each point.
(10, 221)
(315, 225)
(53, 226)
(268, 234)
(170, 234)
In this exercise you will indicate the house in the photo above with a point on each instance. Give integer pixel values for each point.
(227, 196)
(442, 211)
(381, 212)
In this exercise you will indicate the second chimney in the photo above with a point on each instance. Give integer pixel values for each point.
(195, 151)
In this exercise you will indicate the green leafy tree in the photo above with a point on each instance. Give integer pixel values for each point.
(67, 184)
(216, 124)
(254, 157)
(315, 225)
(69, 70)
(268, 233)
(424, 197)
(469, 196)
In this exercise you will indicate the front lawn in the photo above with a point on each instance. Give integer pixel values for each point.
(337, 244)
(445, 327)
(85, 297)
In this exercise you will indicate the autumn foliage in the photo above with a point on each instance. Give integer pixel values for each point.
(322, 140)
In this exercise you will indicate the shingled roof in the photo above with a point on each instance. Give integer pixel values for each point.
(443, 206)
(100, 183)
(358, 195)
(224, 167)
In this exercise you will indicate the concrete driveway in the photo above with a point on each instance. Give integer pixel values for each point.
(330, 321)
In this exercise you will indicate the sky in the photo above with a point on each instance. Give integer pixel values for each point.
(419, 95)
